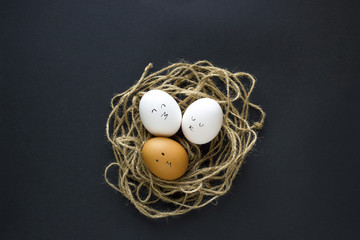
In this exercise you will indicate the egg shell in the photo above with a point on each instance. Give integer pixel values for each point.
(165, 158)
(160, 113)
(202, 121)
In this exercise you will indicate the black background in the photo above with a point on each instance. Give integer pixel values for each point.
(62, 61)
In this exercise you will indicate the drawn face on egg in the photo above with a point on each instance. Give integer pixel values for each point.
(194, 123)
(165, 158)
(202, 121)
(160, 113)
(166, 163)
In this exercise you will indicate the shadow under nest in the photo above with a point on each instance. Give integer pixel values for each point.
(212, 167)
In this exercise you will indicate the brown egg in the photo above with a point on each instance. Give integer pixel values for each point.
(165, 158)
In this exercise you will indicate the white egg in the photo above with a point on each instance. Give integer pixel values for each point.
(202, 121)
(160, 113)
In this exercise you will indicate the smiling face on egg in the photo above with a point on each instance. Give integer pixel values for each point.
(160, 113)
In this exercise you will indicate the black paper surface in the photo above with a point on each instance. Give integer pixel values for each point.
(62, 61)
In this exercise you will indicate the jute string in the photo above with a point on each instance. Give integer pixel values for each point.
(212, 167)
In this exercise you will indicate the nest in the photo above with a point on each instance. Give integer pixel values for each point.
(212, 167)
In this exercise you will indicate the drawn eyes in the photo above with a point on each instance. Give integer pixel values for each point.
(161, 106)
(194, 119)
(157, 160)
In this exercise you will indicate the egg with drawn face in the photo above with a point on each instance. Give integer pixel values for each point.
(160, 113)
(202, 121)
(165, 158)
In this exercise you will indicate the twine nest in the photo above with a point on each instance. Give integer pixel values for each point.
(212, 167)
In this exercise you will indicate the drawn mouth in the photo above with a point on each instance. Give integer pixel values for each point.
(191, 128)
(165, 115)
